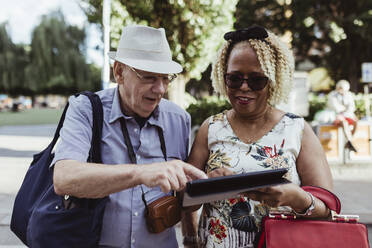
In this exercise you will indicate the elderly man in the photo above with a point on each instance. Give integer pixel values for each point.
(143, 69)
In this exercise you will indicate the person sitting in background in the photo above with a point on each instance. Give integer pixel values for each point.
(254, 70)
(341, 101)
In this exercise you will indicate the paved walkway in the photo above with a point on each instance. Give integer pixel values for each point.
(353, 183)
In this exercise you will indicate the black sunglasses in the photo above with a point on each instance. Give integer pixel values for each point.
(254, 81)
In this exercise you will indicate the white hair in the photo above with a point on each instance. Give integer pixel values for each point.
(343, 84)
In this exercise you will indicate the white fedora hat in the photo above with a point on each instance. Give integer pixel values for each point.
(146, 49)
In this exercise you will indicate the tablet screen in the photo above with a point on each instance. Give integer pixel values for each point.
(234, 182)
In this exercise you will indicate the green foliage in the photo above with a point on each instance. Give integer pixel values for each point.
(360, 105)
(202, 87)
(212, 105)
(319, 102)
(316, 103)
(206, 107)
(194, 28)
(333, 34)
(54, 62)
(57, 58)
(13, 58)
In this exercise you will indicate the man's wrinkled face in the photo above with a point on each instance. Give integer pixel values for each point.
(140, 91)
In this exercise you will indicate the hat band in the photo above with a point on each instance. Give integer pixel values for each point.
(123, 53)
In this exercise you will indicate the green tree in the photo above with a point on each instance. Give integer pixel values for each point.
(13, 60)
(334, 34)
(194, 29)
(57, 58)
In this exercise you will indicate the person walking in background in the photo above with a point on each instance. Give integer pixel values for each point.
(254, 70)
(341, 102)
(143, 69)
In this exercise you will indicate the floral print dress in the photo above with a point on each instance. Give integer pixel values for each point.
(235, 222)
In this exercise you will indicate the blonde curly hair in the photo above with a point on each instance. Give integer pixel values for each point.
(276, 60)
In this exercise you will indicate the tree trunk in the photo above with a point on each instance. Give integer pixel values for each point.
(33, 101)
(353, 76)
(176, 91)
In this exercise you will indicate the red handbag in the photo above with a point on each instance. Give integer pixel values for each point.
(284, 230)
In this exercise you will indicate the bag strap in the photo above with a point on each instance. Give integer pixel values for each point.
(128, 142)
(329, 199)
(97, 110)
(59, 127)
(95, 148)
(132, 155)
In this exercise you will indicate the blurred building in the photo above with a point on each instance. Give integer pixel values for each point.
(298, 102)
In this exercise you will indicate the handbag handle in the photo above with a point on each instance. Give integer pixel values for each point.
(326, 196)
(332, 202)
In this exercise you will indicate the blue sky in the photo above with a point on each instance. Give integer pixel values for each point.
(23, 15)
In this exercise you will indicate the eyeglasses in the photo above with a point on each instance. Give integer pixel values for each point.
(254, 81)
(152, 78)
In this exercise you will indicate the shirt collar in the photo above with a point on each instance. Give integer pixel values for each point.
(115, 108)
(116, 112)
(155, 118)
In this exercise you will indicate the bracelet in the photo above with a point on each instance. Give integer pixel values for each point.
(309, 210)
(190, 240)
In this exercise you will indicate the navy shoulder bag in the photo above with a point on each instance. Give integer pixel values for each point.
(40, 217)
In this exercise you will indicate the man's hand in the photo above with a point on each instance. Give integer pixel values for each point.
(172, 175)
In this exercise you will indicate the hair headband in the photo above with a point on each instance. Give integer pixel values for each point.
(252, 32)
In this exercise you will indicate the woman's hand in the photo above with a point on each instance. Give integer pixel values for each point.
(282, 195)
(220, 172)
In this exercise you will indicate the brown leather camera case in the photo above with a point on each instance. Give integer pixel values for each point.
(163, 213)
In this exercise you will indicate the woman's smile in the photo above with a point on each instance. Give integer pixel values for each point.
(245, 100)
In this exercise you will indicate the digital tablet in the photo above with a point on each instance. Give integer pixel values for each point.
(220, 188)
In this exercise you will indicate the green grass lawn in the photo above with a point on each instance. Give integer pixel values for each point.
(34, 116)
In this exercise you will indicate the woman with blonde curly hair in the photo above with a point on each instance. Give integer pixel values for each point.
(254, 71)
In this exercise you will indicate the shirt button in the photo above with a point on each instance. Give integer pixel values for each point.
(135, 213)
(133, 240)
(136, 130)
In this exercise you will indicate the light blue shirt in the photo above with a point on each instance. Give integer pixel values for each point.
(123, 222)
